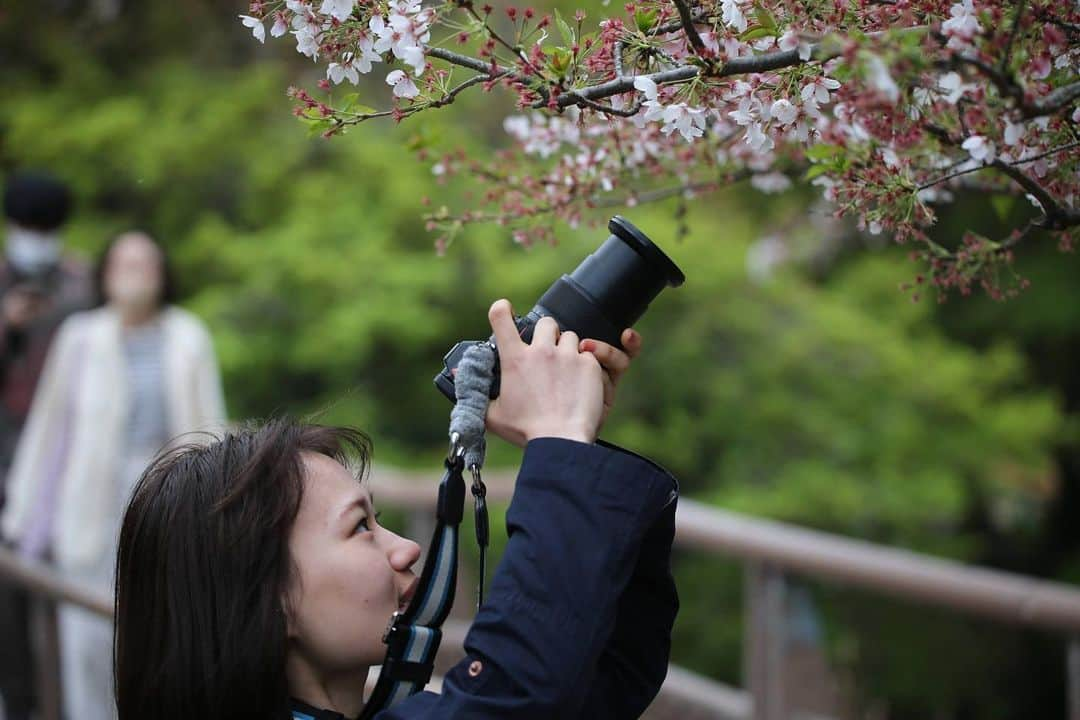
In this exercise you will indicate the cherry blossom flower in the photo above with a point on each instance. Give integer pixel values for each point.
(980, 149)
(953, 86)
(790, 41)
(816, 92)
(880, 79)
(1013, 132)
(280, 27)
(733, 15)
(402, 84)
(690, 122)
(783, 111)
(340, 10)
(962, 26)
(351, 65)
(258, 30)
(306, 43)
(773, 182)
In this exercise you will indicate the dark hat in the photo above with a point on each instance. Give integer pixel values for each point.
(36, 200)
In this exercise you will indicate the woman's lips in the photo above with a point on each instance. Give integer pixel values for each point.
(407, 596)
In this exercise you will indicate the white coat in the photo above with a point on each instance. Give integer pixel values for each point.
(77, 423)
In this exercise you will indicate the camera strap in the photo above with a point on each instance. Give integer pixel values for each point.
(412, 637)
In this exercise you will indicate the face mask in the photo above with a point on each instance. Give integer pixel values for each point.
(133, 291)
(31, 252)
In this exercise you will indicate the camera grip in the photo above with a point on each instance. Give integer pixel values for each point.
(444, 381)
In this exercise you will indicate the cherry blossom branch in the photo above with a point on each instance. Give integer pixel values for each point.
(977, 168)
(1020, 5)
(687, 21)
(467, 61)
(1056, 216)
(1057, 100)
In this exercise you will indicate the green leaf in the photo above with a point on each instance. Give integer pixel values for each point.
(765, 18)
(645, 20)
(754, 33)
(1003, 205)
(816, 170)
(564, 28)
(316, 126)
(560, 59)
(823, 151)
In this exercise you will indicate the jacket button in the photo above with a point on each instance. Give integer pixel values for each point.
(475, 667)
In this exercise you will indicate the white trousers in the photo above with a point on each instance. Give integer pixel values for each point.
(86, 655)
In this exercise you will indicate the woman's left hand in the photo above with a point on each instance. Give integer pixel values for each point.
(614, 361)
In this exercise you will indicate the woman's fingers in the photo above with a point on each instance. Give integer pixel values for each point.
(546, 332)
(612, 359)
(501, 317)
(568, 342)
(631, 341)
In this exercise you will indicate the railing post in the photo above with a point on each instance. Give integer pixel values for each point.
(46, 640)
(1072, 680)
(419, 525)
(764, 639)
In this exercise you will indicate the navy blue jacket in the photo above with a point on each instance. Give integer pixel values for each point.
(577, 623)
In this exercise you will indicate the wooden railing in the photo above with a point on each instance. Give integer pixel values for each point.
(770, 551)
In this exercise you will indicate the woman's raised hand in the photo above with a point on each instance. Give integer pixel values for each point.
(558, 386)
(549, 388)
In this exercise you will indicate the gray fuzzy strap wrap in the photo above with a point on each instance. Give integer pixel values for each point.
(472, 385)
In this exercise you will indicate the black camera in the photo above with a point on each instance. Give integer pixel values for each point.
(605, 294)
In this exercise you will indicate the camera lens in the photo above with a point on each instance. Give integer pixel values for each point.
(612, 287)
(608, 292)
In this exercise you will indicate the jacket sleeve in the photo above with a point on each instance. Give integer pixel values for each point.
(209, 393)
(41, 451)
(576, 525)
(634, 663)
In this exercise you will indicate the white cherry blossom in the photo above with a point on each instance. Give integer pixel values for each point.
(733, 15)
(690, 122)
(784, 111)
(306, 43)
(340, 10)
(258, 30)
(817, 90)
(773, 182)
(980, 149)
(962, 26)
(280, 27)
(402, 84)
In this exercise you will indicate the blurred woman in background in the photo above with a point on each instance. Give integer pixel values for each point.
(120, 382)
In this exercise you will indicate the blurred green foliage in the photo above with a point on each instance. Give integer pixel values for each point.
(835, 404)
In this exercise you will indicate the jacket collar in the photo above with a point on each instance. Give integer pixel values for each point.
(302, 711)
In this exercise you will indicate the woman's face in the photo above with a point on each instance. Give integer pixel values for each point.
(350, 574)
(133, 272)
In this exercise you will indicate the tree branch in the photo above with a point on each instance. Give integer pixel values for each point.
(687, 20)
(468, 62)
(1004, 65)
(1008, 87)
(1056, 216)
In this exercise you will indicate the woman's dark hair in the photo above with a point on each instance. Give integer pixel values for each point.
(37, 200)
(202, 572)
(168, 294)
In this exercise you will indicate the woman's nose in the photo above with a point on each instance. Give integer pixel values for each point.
(403, 553)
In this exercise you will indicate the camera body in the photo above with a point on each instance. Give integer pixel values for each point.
(608, 292)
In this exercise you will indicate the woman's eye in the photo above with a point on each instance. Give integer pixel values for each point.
(364, 525)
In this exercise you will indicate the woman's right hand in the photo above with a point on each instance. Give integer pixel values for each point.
(548, 388)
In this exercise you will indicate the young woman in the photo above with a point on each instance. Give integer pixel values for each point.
(254, 580)
(118, 383)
